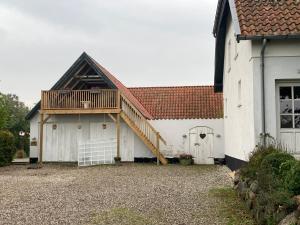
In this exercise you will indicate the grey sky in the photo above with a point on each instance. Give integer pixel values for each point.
(142, 42)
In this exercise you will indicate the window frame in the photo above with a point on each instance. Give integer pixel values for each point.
(236, 54)
(292, 86)
(225, 108)
(229, 55)
(239, 94)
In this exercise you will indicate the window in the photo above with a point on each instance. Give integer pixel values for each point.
(289, 106)
(229, 56)
(225, 108)
(239, 93)
(236, 54)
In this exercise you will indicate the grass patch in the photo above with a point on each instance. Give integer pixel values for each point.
(231, 208)
(122, 216)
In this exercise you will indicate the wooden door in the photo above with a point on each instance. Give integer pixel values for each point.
(127, 144)
(201, 145)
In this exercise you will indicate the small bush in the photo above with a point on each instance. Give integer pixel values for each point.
(250, 170)
(186, 159)
(185, 156)
(20, 154)
(277, 174)
(286, 166)
(274, 160)
(117, 159)
(275, 205)
(292, 179)
(7, 147)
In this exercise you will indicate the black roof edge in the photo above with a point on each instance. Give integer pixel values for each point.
(218, 88)
(33, 111)
(220, 49)
(83, 56)
(270, 37)
(218, 17)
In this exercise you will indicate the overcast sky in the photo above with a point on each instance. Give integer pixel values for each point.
(142, 42)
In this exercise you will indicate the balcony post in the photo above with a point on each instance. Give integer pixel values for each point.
(41, 137)
(157, 148)
(118, 99)
(118, 135)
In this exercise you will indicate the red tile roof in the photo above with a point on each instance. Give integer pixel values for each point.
(185, 102)
(123, 90)
(268, 17)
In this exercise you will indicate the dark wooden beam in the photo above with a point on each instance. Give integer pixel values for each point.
(78, 71)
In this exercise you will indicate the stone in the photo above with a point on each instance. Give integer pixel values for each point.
(254, 187)
(260, 215)
(236, 187)
(236, 178)
(297, 199)
(289, 219)
(297, 212)
(252, 195)
(247, 180)
(242, 190)
(249, 204)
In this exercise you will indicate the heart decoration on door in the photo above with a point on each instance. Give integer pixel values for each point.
(202, 136)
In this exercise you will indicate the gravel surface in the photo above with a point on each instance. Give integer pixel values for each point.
(127, 194)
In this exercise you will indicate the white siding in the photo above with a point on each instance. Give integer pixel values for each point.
(34, 134)
(61, 144)
(282, 63)
(239, 104)
(243, 125)
(173, 131)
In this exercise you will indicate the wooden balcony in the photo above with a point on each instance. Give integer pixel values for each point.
(80, 101)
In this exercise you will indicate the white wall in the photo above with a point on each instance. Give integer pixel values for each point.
(61, 144)
(238, 112)
(174, 130)
(34, 134)
(282, 63)
(243, 125)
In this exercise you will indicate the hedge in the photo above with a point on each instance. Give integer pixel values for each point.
(7, 147)
(276, 176)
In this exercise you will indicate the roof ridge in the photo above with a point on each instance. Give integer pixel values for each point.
(184, 86)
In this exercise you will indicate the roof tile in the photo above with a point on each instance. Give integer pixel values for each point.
(183, 102)
(268, 17)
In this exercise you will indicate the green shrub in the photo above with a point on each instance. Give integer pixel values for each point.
(7, 147)
(250, 170)
(286, 166)
(292, 179)
(275, 205)
(274, 160)
(277, 174)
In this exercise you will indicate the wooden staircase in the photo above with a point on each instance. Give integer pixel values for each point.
(142, 128)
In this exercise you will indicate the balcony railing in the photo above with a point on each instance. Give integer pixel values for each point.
(80, 99)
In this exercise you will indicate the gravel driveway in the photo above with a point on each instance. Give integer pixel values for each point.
(127, 194)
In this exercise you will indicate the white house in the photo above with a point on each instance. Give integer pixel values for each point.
(257, 67)
(90, 117)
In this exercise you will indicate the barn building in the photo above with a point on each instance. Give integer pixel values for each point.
(90, 117)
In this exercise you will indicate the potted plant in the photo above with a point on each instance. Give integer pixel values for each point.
(117, 160)
(186, 159)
